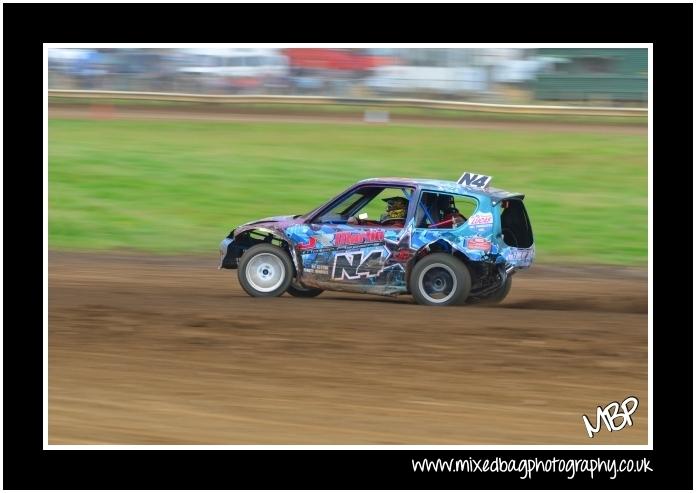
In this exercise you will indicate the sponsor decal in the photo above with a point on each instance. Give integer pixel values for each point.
(308, 245)
(519, 255)
(400, 250)
(478, 243)
(481, 219)
(354, 265)
(317, 269)
(356, 238)
(341, 239)
(402, 255)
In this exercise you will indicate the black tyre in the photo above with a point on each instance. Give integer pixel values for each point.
(495, 298)
(296, 289)
(500, 294)
(265, 270)
(440, 279)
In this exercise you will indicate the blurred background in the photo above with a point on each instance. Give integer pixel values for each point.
(578, 76)
(128, 168)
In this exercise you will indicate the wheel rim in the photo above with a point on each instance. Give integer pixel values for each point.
(438, 283)
(265, 272)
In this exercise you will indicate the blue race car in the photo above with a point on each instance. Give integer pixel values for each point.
(443, 242)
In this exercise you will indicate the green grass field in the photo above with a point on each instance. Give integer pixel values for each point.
(178, 187)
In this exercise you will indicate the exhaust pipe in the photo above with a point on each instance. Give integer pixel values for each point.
(510, 270)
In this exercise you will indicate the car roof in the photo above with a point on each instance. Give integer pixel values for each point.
(445, 186)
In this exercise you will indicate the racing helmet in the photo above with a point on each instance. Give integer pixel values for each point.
(396, 208)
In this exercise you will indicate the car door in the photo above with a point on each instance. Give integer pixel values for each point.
(354, 257)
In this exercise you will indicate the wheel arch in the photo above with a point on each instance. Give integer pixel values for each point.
(255, 235)
(441, 246)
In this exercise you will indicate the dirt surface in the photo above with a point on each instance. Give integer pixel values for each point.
(135, 113)
(169, 350)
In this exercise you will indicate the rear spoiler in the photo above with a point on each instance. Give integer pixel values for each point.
(506, 196)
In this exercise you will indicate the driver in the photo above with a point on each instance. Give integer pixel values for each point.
(396, 211)
(395, 215)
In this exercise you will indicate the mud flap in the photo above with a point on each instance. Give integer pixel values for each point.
(229, 253)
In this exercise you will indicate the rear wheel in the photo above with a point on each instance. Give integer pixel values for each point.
(440, 279)
(296, 289)
(265, 270)
(495, 298)
(501, 293)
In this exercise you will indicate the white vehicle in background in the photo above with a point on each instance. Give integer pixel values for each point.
(520, 71)
(235, 68)
(395, 79)
(62, 55)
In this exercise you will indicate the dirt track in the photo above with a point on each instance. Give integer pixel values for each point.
(157, 350)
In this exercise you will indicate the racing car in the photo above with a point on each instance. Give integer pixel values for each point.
(443, 242)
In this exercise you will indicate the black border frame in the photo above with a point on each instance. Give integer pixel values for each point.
(26, 26)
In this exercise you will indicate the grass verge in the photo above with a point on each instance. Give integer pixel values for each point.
(178, 187)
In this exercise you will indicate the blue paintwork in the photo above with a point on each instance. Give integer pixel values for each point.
(318, 255)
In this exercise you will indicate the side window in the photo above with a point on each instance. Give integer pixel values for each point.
(383, 206)
(341, 211)
(380, 208)
(444, 210)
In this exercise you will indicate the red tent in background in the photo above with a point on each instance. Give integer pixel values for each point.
(333, 59)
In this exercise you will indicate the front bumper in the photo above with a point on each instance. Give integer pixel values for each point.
(229, 254)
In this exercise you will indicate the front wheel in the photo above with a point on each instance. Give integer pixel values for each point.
(265, 270)
(299, 291)
(440, 279)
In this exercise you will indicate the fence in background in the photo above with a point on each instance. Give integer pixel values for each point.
(324, 100)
